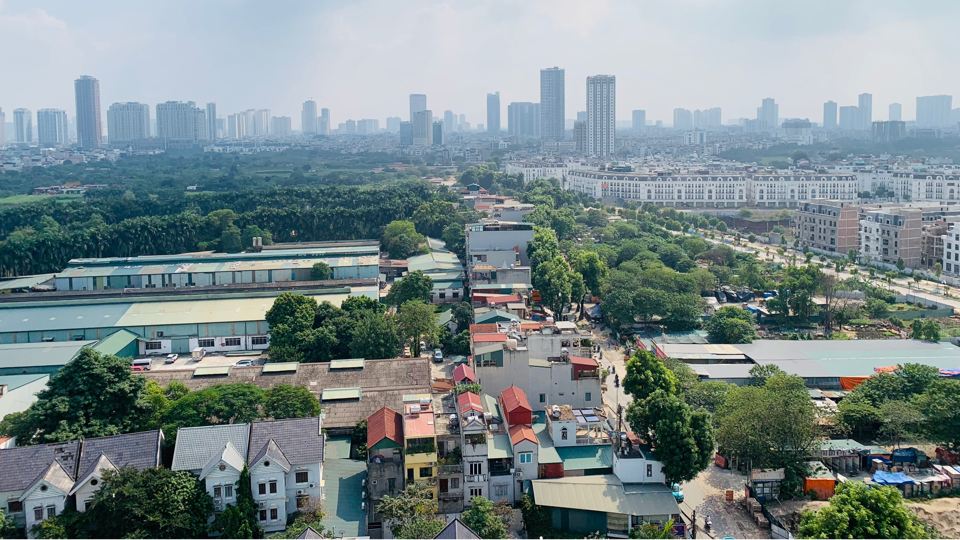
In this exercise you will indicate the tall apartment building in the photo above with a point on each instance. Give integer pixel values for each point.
(768, 114)
(418, 102)
(261, 123)
(89, 129)
(830, 115)
(52, 127)
(349, 128)
(523, 120)
(951, 250)
(423, 128)
(640, 121)
(323, 124)
(406, 133)
(368, 126)
(934, 111)
(212, 134)
(493, 113)
(437, 133)
(849, 117)
(22, 125)
(127, 122)
(889, 234)
(896, 112)
(601, 115)
(181, 122)
(3, 128)
(682, 119)
(449, 121)
(308, 117)
(580, 136)
(884, 132)
(281, 126)
(707, 119)
(828, 225)
(552, 106)
(393, 124)
(236, 126)
(865, 112)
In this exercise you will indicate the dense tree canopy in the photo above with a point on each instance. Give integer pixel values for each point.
(731, 324)
(861, 511)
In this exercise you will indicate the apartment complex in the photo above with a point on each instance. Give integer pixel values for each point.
(890, 234)
(128, 122)
(828, 225)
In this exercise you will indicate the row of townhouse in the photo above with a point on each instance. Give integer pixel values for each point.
(913, 185)
(713, 189)
(285, 459)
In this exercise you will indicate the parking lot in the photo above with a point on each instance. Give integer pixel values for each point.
(184, 361)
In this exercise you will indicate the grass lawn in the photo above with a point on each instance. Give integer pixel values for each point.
(23, 199)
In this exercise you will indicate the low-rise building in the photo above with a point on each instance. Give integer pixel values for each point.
(498, 244)
(385, 464)
(828, 225)
(535, 170)
(890, 234)
(420, 441)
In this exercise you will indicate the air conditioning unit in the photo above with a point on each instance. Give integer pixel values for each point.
(363, 506)
(216, 501)
(314, 485)
(159, 334)
(263, 504)
(519, 474)
(363, 495)
(299, 492)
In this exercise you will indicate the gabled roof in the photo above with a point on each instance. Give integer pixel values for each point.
(522, 432)
(228, 455)
(139, 450)
(514, 398)
(583, 361)
(487, 328)
(103, 463)
(384, 424)
(300, 439)
(196, 445)
(55, 475)
(272, 452)
(457, 530)
(23, 465)
(468, 401)
(489, 338)
(464, 372)
(309, 534)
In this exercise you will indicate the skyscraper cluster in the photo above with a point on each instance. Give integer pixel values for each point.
(857, 117)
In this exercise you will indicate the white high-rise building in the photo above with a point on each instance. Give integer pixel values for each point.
(552, 108)
(127, 122)
(601, 115)
(281, 126)
(324, 123)
(865, 112)
(934, 111)
(418, 102)
(261, 123)
(423, 128)
(89, 128)
(493, 113)
(707, 119)
(3, 128)
(462, 124)
(308, 117)
(181, 122)
(212, 134)
(830, 115)
(236, 126)
(393, 124)
(849, 116)
(896, 112)
(22, 125)
(640, 121)
(449, 121)
(523, 120)
(682, 119)
(768, 114)
(52, 127)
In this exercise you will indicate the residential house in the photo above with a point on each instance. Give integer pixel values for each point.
(449, 453)
(35, 481)
(138, 450)
(215, 454)
(456, 530)
(420, 441)
(385, 466)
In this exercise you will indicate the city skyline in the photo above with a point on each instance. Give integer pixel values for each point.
(102, 43)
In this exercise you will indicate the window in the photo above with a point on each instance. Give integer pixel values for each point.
(426, 472)
(543, 398)
(232, 342)
(563, 434)
(205, 342)
(454, 483)
(301, 501)
(500, 490)
(263, 515)
(273, 514)
(476, 492)
(154, 346)
(273, 486)
(262, 489)
(391, 484)
(217, 492)
(303, 477)
(38, 513)
(228, 491)
(588, 396)
(51, 511)
(649, 470)
(258, 340)
(409, 475)
(476, 468)
(526, 457)
(14, 507)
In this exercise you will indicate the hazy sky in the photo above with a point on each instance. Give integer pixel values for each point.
(363, 58)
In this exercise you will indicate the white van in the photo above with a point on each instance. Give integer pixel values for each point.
(198, 354)
(142, 364)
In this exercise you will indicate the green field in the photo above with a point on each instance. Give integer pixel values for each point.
(23, 199)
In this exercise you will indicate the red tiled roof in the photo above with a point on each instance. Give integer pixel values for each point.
(503, 299)
(489, 338)
(584, 361)
(488, 328)
(464, 372)
(522, 432)
(468, 401)
(384, 424)
(531, 326)
(514, 398)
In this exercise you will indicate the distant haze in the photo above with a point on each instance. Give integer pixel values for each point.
(361, 59)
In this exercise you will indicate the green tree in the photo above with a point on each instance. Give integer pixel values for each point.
(455, 238)
(353, 305)
(230, 241)
(412, 513)
(8, 529)
(861, 511)
(594, 271)
(286, 401)
(900, 420)
(418, 321)
(320, 271)
(931, 330)
(462, 314)
(401, 239)
(460, 344)
(536, 519)
(553, 279)
(649, 530)
(938, 270)
(93, 395)
(482, 520)
(645, 374)
(231, 403)
(852, 256)
(413, 286)
(731, 324)
(666, 422)
(375, 336)
(543, 247)
(900, 264)
(287, 305)
(722, 227)
(940, 406)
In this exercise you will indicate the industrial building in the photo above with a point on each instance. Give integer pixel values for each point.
(287, 263)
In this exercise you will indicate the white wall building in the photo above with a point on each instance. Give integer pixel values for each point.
(127, 122)
(535, 170)
(52, 128)
(601, 115)
(181, 122)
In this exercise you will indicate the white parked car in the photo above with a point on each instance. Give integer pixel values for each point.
(244, 363)
(171, 358)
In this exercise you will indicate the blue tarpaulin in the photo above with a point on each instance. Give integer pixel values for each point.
(905, 455)
(891, 478)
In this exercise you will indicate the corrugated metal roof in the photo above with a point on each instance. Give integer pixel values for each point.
(582, 458)
(605, 494)
(348, 363)
(55, 353)
(281, 367)
(547, 452)
(207, 371)
(25, 282)
(115, 342)
(514, 398)
(332, 394)
(12, 382)
(521, 433)
(499, 446)
(384, 424)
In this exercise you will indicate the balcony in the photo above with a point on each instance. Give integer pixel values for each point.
(426, 448)
(475, 478)
(450, 469)
(451, 495)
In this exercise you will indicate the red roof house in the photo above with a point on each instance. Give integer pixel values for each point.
(464, 374)
(515, 406)
(384, 430)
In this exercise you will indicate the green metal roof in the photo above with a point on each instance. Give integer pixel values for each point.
(12, 382)
(348, 363)
(24, 282)
(207, 371)
(280, 367)
(547, 453)
(334, 394)
(496, 314)
(605, 493)
(342, 488)
(491, 406)
(499, 446)
(116, 342)
(582, 458)
(56, 353)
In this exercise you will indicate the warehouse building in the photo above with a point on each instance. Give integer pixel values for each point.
(174, 323)
(347, 260)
